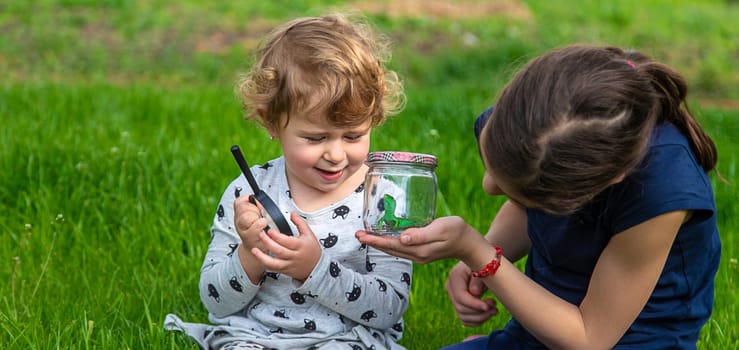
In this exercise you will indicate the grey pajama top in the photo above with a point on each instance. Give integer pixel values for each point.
(354, 298)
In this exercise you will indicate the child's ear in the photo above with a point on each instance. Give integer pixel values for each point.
(272, 135)
(269, 126)
(262, 114)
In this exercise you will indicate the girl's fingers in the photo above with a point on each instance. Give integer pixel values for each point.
(463, 300)
(380, 242)
(414, 237)
(477, 319)
(477, 287)
(423, 253)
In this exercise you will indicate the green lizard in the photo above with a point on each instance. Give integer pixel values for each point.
(389, 220)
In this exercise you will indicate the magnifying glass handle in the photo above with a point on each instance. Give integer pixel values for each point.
(271, 211)
(236, 151)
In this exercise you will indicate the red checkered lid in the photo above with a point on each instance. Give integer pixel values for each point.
(401, 157)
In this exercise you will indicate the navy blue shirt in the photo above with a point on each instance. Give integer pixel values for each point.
(565, 249)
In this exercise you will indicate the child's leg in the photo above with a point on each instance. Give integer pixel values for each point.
(242, 345)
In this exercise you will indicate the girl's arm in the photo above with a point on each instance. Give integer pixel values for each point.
(508, 231)
(467, 294)
(622, 281)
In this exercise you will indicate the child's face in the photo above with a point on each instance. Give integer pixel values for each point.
(322, 157)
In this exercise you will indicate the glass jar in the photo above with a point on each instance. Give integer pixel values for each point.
(399, 192)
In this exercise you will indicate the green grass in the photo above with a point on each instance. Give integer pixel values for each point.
(116, 118)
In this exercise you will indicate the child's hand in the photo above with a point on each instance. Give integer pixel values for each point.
(290, 255)
(249, 222)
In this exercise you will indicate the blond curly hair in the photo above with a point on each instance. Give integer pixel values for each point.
(333, 65)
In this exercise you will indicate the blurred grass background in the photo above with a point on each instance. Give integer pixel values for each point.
(116, 118)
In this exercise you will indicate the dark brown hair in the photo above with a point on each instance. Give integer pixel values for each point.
(574, 119)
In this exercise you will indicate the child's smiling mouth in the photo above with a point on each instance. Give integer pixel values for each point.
(330, 175)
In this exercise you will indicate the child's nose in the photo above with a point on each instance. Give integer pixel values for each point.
(334, 152)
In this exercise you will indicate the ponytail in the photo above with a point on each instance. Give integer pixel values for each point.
(672, 89)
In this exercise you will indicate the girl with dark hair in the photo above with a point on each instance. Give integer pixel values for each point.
(609, 198)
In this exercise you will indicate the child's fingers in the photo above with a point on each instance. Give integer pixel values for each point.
(269, 262)
(243, 204)
(283, 241)
(248, 215)
(269, 244)
(248, 221)
(303, 229)
(243, 207)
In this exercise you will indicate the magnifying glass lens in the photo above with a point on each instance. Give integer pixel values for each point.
(271, 212)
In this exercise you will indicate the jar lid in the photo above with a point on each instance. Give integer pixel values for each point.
(401, 157)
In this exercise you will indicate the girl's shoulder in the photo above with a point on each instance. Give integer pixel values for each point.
(669, 178)
(668, 134)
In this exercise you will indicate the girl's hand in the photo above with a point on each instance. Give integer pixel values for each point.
(445, 237)
(466, 293)
(290, 255)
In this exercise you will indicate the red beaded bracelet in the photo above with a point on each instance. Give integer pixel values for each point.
(492, 266)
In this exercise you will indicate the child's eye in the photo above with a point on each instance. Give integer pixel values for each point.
(314, 138)
(356, 137)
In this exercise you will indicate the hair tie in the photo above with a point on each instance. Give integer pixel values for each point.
(631, 64)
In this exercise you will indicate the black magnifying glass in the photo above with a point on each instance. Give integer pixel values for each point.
(271, 212)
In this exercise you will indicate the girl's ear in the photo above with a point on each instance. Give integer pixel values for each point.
(618, 179)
